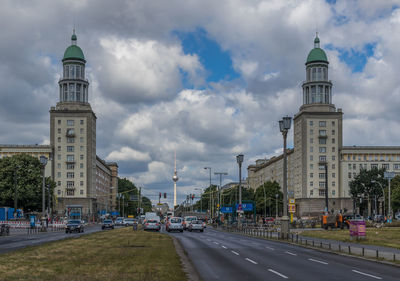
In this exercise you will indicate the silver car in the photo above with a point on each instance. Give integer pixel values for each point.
(174, 224)
(152, 225)
(129, 221)
(196, 225)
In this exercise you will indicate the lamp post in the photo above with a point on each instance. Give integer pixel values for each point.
(284, 126)
(276, 205)
(201, 199)
(219, 190)
(15, 192)
(383, 193)
(239, 160)
(265, 203)
(210, 201)
(43, 161)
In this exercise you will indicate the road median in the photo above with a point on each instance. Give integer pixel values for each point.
(120, 254)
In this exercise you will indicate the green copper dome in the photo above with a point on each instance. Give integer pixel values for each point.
(73, 51)
(317, 54)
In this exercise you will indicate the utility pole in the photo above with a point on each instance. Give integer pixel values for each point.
(210, 200)
(219, 191)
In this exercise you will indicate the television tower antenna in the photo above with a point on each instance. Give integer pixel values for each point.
(175, 179)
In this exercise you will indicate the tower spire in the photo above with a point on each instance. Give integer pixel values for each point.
(175, 178)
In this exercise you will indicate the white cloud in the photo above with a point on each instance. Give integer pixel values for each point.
(128, 154)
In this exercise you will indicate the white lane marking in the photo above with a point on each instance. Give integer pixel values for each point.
(277, 273)
(208, 239)
(236, 253)
(224, 247)
(318, 261)
(251, 261)
(366, 274)
(290, 253)
(269, 248)
(216, 243)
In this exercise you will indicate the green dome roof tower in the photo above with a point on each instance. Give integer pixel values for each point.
(317, 89)
(73, 85)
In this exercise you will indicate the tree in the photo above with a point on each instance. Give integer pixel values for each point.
(128, 190)
(26, 171)
(269, 201)
(395, 196)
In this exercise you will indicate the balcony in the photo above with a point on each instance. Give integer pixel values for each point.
(322, 136)
(70, 133)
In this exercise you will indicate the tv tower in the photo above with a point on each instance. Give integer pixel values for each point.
(175, 179)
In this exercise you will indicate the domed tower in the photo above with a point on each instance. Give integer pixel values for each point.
(317, 140)
(73, 85)
(73, 137)
(317, 89)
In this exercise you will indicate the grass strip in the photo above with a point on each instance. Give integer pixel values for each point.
(387, 236)
(120, 254)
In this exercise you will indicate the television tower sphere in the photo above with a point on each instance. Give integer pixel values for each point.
(175, 178)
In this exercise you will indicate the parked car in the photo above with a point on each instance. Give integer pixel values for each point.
(187, 220)
(74, 226)
(107, 224)
(269, 220)
(152, 224)
(129, 221)
(379, 218)
(120, 221)
(397, 216)
(196, 225)
(174, 224)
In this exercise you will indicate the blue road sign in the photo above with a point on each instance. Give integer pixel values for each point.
(245, 207)
(226, 210)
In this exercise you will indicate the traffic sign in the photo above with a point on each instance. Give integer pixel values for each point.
(291, 200)
(389, 175)
(292, 208)
(226, 210)
(244, 207)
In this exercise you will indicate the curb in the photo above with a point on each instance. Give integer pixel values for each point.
(188, 267)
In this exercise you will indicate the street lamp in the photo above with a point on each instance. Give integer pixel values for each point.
(43, 161)
(201, 198)
(276, 205)
(284, 126)
(239, 160)
(383, 193)
(210, 201)
(15, 192)
(219, 191)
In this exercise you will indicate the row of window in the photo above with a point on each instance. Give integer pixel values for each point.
(321, 184)
(70, 166)
(71, 148)
(322, 167)
(372, 158)
(71, 184)
(70, 175)
(321, 123)
(317, 94)
(73, 71)
(386, 166)
(317, 74)
(70, 122)
(321, 192)
(322, 158)
(71, 131)
(322, 149)
(70, 192)
(71, 139)
(323, 140)
(321, 132)
(322, 175)
(73, 92)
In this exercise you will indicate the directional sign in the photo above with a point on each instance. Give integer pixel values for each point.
(245, 207)
(389, 175)
(291, 201)
(292, 208)
(226, 210)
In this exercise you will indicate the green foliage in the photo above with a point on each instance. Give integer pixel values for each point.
(268, 202)
(27, 172)
(128, 188)
(395, 189)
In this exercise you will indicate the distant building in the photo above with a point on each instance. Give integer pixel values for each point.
(318, 146)
(83, 179)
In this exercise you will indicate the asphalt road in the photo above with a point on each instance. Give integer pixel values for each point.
(14, 242)
(227, 256)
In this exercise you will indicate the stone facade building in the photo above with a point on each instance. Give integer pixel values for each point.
(319, 157)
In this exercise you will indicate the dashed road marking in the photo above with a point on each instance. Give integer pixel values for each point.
(216, 243)
(277, 273)
(269, 248)
(236, 253)
(290, 253)
(251, 261)
(224, 247)
(318, 261)
(366, 274)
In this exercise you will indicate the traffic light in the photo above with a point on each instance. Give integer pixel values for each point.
(159, 196)
(165, 195)
(192, 196)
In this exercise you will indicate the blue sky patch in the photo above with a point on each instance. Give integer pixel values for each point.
(216, 61)
(355, 59)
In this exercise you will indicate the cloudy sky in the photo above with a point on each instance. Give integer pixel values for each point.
(208, 78)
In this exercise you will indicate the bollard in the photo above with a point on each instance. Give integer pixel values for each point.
(377, 254)
(349, 249)
(321, 245)
(339, 248)
(362, 251)
(297, 238)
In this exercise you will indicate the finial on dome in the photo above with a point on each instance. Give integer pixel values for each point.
(316, 40)
(73, 37)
